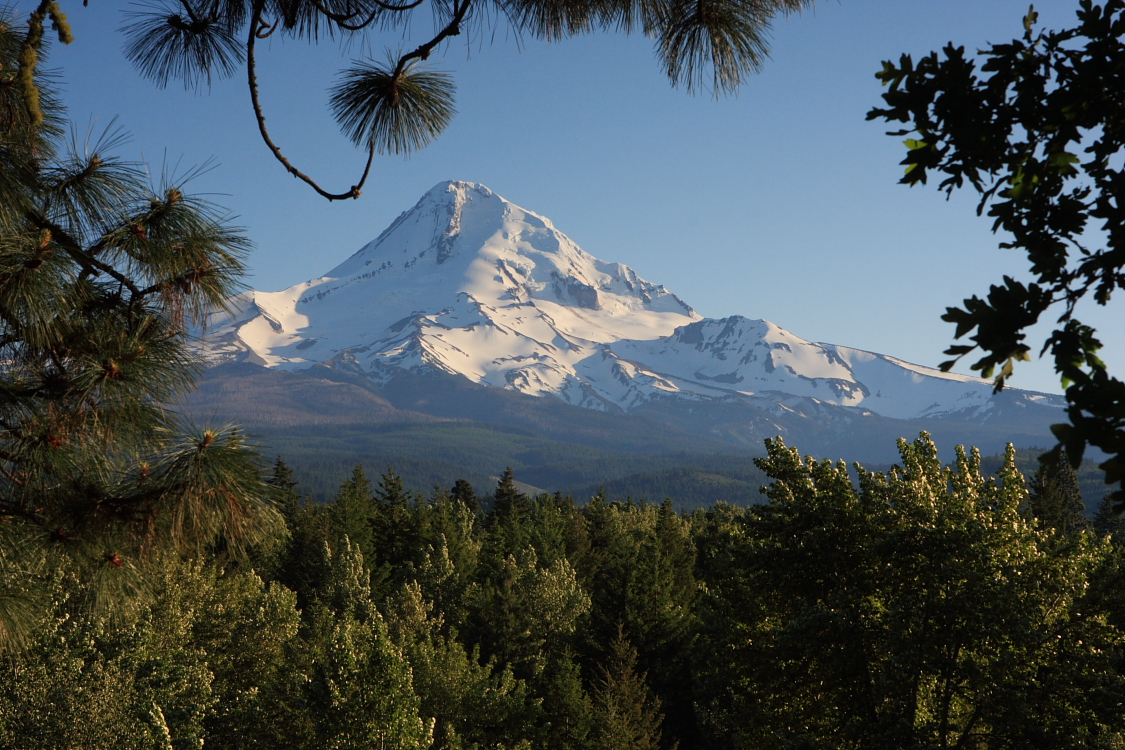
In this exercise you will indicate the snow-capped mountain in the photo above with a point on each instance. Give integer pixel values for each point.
(468, 283)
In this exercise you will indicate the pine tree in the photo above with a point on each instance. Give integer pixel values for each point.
(298, 563)
(474, 703)
(568, 711)
(396, 535)
(448, 551)
(391, 491)
(507, 500)
(399, 106)
(1056, 500)
(101, 275)
(640, 575)
(463, 493)
(1107, 522)
(524, 614)
(346, 587)
(354, 513)
(626, 716)
(361, 693)
(283, 483)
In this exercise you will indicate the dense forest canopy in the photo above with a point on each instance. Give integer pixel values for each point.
(926, 606)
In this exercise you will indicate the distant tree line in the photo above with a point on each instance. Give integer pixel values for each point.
(927, 606)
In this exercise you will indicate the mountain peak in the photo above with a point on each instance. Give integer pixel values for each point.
(469, 283)
(433, 224)
(449, 189)
(461, 258)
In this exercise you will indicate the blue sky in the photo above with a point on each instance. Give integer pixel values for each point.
(780, 203)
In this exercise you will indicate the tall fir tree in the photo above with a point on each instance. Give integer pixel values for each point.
(507, 500)
(354, 513)
(1108, 522)
(463, 492)
(395, 532)
(1056, 500)
(568, 710)
(283, 483)
(626, 715)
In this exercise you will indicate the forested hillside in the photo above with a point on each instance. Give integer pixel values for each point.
(425, 455)
(930, 606)
(436, 428)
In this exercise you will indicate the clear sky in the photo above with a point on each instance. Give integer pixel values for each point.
(780, 203)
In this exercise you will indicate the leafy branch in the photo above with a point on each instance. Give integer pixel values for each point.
(1037, 134)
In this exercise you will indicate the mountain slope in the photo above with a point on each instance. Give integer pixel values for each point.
(469, 284)
(435, 428)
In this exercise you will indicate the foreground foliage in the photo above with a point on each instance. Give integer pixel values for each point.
(100, 273)
(1039, 137)
(929, 606)
(924, 609)
(400, 105)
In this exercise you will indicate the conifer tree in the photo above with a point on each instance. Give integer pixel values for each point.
(448, 552)
(640, 576)
(395, 535)
(474, 703)
(283, 483)
(391, 491)
(1107, 522)
(626, 716)
(507, 500)
(401, 105)
(101, 274)
(355, 515)
(361, 693)
(1056, 500)
(463, 493)
(568, 711)
(298, 563)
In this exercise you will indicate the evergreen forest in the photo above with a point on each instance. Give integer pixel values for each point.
(926, 606)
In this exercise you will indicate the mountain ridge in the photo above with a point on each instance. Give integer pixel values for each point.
(472, 285)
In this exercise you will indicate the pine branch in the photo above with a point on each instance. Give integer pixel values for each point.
(453, 28)
(343, 20)
(252, 76)
(84, 258)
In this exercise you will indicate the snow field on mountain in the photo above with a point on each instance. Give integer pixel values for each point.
(468, 283)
